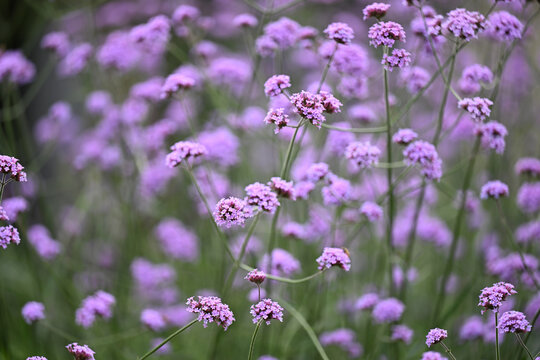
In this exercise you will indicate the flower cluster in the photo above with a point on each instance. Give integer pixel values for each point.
(10, 166)
(492, 134)
(386, 34)
(9, 235)
(256, 276)
(494, 190)
(276, 84)
(425, 155)
(277, 117)
(98, 305)
(479, 108)
(334, 257)
(230, 212)
(33, 311)
(404, 136)
(262, 197)
(435, 336)
(310, 106)
(464, 24)
(211, 309)
(364, 155)
(399, 58)
(492, 297)
(80, 352)
(339, 32)
(375, 10)
(184, 151)
(514, 322)
(266, 310)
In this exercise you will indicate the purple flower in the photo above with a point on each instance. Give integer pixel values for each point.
(385, 33)
(176, 240)
(75, 60)
(473, 76)
(36, 358)
(41, 240)
(33, 311)
(98, 102)
(15, 68)
(371, 211)
(256, 276)
(283, 188)
(330, 103)
(514, 322)
(492, 134)
(9, 235)
(276, 84)
(404, 136)
(402, 333)
(230, 212)
(415, 78)
(432, 355)
(278, 118)
(13, 207)
(528, 232)
(283, 263)
(340, 32)
(100, 304)
(316, 172)
(375, 10)
(504, 26)
(343, 338)
(175, 83)
(494, 189)
(283, 32)
(425, 155)
(185, 13)
(435, 336)
(80, 352)
(479, 108)
(152, 36)
(528, 166)
(10, 166)
(528, 197)
(222, 145)
(262, 197)
(388, 311)
(309, 106)
(211, 309)
(265, 46)
(245, 21)
(184, 150)
(400, 58)
(153, 319)
(364, 154)
(334, 257)
(3, 214)
(118, 52)
(491, 298)
(464, 24)
(337, 192)
(366, 301)
(266, 310)
(472, 328)
(57, 42)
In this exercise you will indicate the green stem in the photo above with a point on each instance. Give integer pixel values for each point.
(448, 351)
(253, 337)
(169, 338)
(282, 279)
(326, 68)
(497, 350)
(372, 130)
(520, 340)
(447, 87)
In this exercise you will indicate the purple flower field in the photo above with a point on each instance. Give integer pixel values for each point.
(270, 180)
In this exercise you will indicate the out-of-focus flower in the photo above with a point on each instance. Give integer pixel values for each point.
(494, 190)
(340, 32)
(404, 136)
(184, 150)
(375, 10)
(528, 197)
(425, 155)
(504, 26)
(100, 304)
(262, 197)
(15, 68)
(57, 42)
(343, 338)
(402, 333)
(362, 154)
(492, 134)
(33, 311)
(388, 311)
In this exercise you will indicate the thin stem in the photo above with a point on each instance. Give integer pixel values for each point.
(448, 351)
(520, 340)
(372, 130)
(253, 337)
(285, 280)
(448, 85)
(169, 338)
(326, 68)
(497, 350)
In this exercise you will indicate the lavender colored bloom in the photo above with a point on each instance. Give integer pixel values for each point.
(504, 26)
(514, 322)
(386, 33)
(230, 212)
(400, 58)
(176, 240)
(222, 145)
(366, 301)
(185, 13)
(334, 257)
(464, 24)
(118, 52)
(309, 106)
(491, 298)
(528, 197)
(256, 276)
(473, 76)
(479, 108)
(340, 32)
(425, 155)
(211, 309)
(12, 207)
(148, 275)
(267, 357)
(283, 32)
(36, 358)
(371, 211)
(33, 311)
(435, 336)
(494, 189)
(80, 352)
(15, 68)
(528, 232)
(276, 84)
(404, 136)
(337, 192)
(528, 166)
(57, 42)
(98, 102)
(283, 188)
(9, 235)
(3, 214)
(343, 338)
(41, 240)
(402, 333)
(75, 60)
(388, 311)
(153, 319)
(265, 46)
(152, 36)
(278, 118)
(184, 150)
(492, 134)
(415, 78)
(432, 355)
(330, 103)
(175, 83)
(10, 166)
(283, 263)
(472, 328)
(245, 21)
(100, 304)
(262, 197)
(375, 10)
(364, 154)
(266, 310)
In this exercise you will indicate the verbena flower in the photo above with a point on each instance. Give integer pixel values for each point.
(317, 172)
(514, 322)
(528, 166)
(309, 106)
(10, 166)
(100, 304)
(276, 84)
(492, 134)
(266, 310)
(41, 240)
(75, 60)
(388, 311)
(283, 263)
(464, 24)
(479, 108)
(184, 151)
(330, 103)
(334, 257)
(432, 355)
(9, 235)
(402, 333)
(176, 240)
(33, 311)
(337, 192)
(415, 78)
(262, 197)
(472, 328)
(283, 188)
(245, 21)
(339, 32)
(362, 154)
(277, 117)
(386, 33)
(15, 68)
(492, 297)
(80, 352)
(399, 58)
(425, 155)
(343, 338)
(256, 276)
(175, 83)
(153, 319)
(435, 336)
(494, 190)
(473, 77)
(366, 301)
(57, 42)
(230, 212)
(211, 309)
(371, 211)
(504, 26)
(375, 10)
(404, 136)
(36, 358)
(528, 197)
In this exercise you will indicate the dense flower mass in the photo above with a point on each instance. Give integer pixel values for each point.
(211, 309)
(514, 322)
(375, 10)
(478, 108)
(266, 310)
(11, 167)
(425, 155)
(184, 151)
(435, 336)
(262, 197)
(364, 155)
(464, 24)
(492, 297)
(309, 106)
(80, 352)
(399, 58)
(504, 26)
(276, 84)
(277, 117)
(339, 32)
(9, 235)
(230, 212)
(386, 34)
(494, 190)
(334, 257)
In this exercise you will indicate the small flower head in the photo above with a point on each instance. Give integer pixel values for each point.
(364, 155)
(478, 108)
(10, 166)
(57, 42)
(528, 166)
(9, 235)
(366, 301)
(262, 196)
(402, 333)
(80, 352)
(492, 134)
(278, 118)
(435, 336)
(309, 106)
(15, 68)
(464, 24)
(386, 33)
(184, 151)
(404, 137)
(266, 310)
(330, 103)
(400, 58)
(36, 358)
(375, 10)
(211, 309)
(153, 319)
(230, 212)
(175, 83)
(339, 32)
(256, 276)
(317, 172)
(33, 311)
(492, 297)
(514, 322)
(388, 311)
(504, 26)
(432, 355)
(425, 155)
(245, 21)
(334, 257)
(494, 190)
(283, 188)
(371, 211)
(276, 84)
